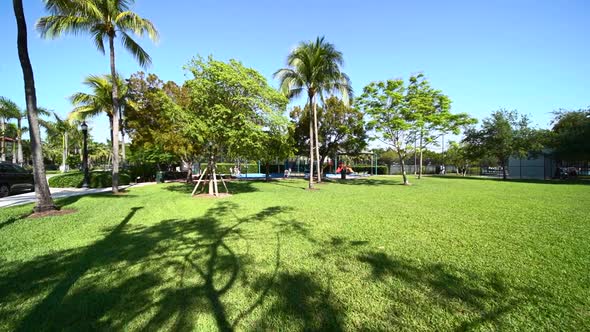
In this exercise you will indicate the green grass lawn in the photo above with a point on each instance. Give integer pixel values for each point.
(443, 254)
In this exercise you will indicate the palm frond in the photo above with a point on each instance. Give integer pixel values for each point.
(9, 109)
(129, 20)
(139, 53)
(55, 26)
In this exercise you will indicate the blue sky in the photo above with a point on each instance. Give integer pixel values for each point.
(526, 55)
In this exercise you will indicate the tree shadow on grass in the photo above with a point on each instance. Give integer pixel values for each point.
(367, 182)
(478, 301)
(162, 277)
(499, 179)
(234, 187)
(65, 201)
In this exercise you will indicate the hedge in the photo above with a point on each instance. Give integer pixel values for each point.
(223, 168)
(98, 179)
(381, 169)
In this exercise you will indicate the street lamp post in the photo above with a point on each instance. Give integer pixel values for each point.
(85, 154)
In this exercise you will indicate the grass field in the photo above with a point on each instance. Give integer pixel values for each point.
(443, 254)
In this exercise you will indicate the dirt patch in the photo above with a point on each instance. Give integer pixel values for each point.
(52, 213)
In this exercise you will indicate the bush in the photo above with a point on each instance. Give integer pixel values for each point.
(145, 172)
(175, 175)
(381, 169)
(223, 168)
(99, 179)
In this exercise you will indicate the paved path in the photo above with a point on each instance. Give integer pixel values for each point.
(27, 198)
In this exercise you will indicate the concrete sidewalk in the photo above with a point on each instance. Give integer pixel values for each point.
(56, 193)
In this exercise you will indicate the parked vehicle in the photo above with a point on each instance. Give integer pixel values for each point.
(14, 178)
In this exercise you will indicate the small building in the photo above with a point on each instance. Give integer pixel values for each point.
(540, 166)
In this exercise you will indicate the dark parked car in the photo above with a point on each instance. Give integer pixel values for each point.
(14, 178)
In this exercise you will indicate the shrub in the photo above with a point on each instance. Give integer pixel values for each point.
(223, 168)
(381, 169)
(99, 179)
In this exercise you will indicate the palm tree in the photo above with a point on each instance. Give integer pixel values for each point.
(314, 67)
(103, 20)
(44, 200)
(8, 110)
(99, 100)
(66, 129)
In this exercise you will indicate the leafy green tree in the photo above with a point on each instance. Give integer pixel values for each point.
(386, 104)
(278, 142)
(341, 129)
(314, 67)
(431, 111)
(103, 20)
(150, 120)
(44, 201)
(458, 155)
(230, 106)
(571, 135)
(502, 135)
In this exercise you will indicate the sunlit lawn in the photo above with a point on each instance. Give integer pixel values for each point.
(443, 254)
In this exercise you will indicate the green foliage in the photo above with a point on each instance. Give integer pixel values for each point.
(504, 134)
(76, 179)
(443, 255)
(571, 135)
(341, 128)
(223, 168)
(230, 105)
(314, 67)
(381, 169)
(100, 19)
(100, 99)
(385, 102)
(150, 122)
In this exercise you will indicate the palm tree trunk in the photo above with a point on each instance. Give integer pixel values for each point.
(115, 117)
(63, 153)
(310, 146)
(19, 139)
(14, 151)
(44, 200)
(317, 145)
(3, 143)
(122, 137)
(122, 147)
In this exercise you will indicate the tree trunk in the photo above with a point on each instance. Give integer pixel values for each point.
(267, 164)
(504, 175)
(122, 147)
(122, 137)
(3, 143)
(317, 145)
(420, 171)
(189, 173)
(401, 161)
(115, 131)
(310, 186)
(64, 152)
(19, 143)
(14, 151)
(44, 200)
